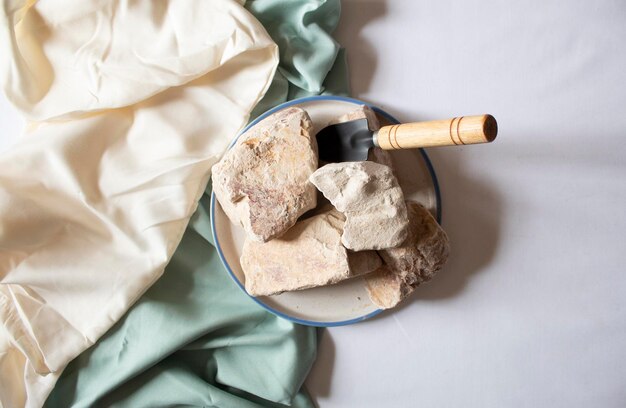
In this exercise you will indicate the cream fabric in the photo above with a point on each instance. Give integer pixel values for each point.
(129, 104)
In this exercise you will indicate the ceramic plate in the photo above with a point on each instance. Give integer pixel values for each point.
(346, 302)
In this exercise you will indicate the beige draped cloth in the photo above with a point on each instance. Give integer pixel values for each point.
(128, 104)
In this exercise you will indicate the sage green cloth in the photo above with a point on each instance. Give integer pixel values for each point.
(194, 338)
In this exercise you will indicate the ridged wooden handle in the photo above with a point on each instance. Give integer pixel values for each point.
(458, 131)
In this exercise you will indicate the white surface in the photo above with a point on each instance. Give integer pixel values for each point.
(347, 300)
(531, 309)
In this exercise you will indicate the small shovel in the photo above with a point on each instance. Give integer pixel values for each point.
(350, 141)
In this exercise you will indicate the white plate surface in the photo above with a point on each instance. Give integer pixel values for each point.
(346, 302)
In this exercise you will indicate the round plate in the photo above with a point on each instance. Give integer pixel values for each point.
(346, 302)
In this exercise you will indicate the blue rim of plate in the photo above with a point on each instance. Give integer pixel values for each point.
(429, 165)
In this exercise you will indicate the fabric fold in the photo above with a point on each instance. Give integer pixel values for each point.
(130, 104)
(87, 57)
(194, 338)
(304, 44)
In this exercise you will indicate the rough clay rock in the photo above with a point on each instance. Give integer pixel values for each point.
(262, 182)
(419, 258)
(369, 196)
(310, 254)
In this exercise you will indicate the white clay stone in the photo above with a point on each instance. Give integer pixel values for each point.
(262, 182)
(310, 254)
(369, 196)
(416, 261)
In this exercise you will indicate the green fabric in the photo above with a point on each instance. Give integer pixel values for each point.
(311, 63)
(194, 338)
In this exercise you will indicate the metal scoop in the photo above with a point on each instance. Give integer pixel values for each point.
(350, 141)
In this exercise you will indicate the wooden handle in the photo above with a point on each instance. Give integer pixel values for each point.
(458, 131)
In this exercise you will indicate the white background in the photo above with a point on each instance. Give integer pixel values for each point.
(531, 309)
